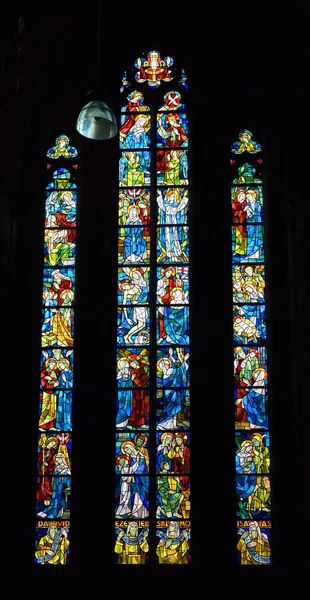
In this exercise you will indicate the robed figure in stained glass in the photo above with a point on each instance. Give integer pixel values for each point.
(253, 545)
(61, 482)
(173, 547)
(53, 547)
(62, 148)
(131, 546)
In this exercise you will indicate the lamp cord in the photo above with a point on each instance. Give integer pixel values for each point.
(98, 48)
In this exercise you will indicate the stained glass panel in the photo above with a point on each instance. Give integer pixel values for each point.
(54, 453)
(134, 168)
(131, 542)
(133, 285)
(133, 325)
(253, 452)
(134, 245)
(59, 247)
(52, 542)
(134, 131)
(134, 207)
(248, 283)
(173, 367)
(173, 409)
(172, 167)
(153, 309)
(173, 546)
(172, 206)
(172, 245)
(172, 130)
(248, 243)
(249, 323)
(258, 534)
(131, 492)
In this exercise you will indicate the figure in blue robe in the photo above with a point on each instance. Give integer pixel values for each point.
(61, 481)
(254, 405)
(125, 402)
(134, 245)
(168, 416)
(176, 324)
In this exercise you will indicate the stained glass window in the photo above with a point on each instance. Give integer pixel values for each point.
(253, 484)
(53, 493)
(152, 449)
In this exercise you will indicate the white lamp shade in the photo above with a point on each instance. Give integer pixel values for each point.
(97, 121)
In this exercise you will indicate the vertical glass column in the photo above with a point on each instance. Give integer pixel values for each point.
(53, 492)
(173, 463)
(133, 335)
(253, 486)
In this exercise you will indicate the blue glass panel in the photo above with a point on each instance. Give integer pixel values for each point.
(251, 408)
(172, 206)
(172, 244)
(173, 367)
(61, 180)
(172, 325)
(133, 245)
(132, 408)
(248, 243)
(256, 503)
(133, 325)
(173, 409)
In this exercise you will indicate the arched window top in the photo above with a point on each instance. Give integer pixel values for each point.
(246, 143)
(62, 148)
(152, 69)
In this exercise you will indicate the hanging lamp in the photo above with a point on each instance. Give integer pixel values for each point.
(96, 120)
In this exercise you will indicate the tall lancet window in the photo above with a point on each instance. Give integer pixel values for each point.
(253, 486)
(152, 462)
(57, 351)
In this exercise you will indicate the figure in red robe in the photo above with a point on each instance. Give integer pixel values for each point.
(46, 467)
(140, 398)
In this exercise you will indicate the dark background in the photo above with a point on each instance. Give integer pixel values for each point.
(247, 67)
